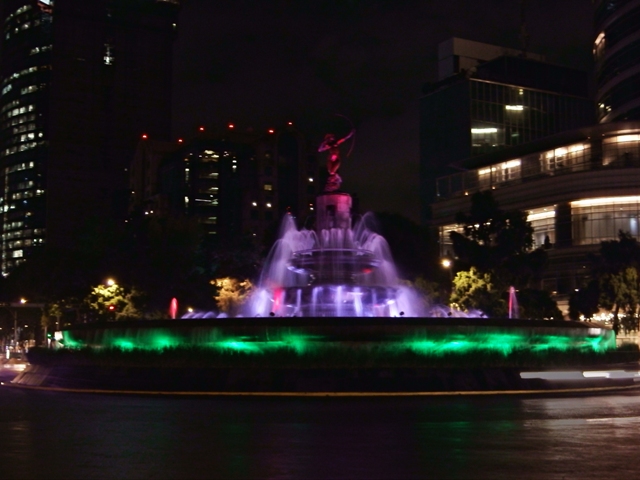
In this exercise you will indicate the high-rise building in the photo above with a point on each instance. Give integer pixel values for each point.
(579, 188)
(488, 99)
(234, 183)
(617, 56)
(80, 81)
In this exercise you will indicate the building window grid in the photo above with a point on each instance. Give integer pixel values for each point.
(627, 57)
(598, 223)
(543, 221)
(489, 108)
(626, 25)
(568, 159)
(619, 95)
(622, 151)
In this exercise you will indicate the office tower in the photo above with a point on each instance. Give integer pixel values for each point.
(234, 183)
(488, 99)
(80, 82)
(617, 55)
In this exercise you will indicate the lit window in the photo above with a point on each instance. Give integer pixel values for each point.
(268, 186)
(572, 157)
(599, 219)
(543, 223)
(109, 57)
(501, 172)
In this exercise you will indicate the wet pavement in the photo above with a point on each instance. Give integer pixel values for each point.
(63, 435)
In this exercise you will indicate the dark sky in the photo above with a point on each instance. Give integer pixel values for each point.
(261, 63)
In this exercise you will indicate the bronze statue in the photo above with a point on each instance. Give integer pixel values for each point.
(332, 145)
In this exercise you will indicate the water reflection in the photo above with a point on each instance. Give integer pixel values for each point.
(86, 436)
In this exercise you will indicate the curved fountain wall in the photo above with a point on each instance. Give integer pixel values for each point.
(428, 336)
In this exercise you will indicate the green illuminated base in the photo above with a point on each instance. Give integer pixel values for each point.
(308, 336)
(325, 354)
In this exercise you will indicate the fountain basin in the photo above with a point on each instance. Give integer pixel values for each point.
(297, 355)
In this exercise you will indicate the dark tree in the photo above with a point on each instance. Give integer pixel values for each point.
(613, 283)
(498, 242)
(413, 248)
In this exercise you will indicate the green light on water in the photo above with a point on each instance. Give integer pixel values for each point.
(423, 342)
(124, 344)
(69, 342)
(239, 346)
(503, 343)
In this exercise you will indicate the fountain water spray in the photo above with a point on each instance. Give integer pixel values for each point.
(173, 308)
(513, 304)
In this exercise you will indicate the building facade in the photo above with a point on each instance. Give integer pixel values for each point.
(578, 187)
(492, 104)
(234, 183)
(79, 82)
(617, 57)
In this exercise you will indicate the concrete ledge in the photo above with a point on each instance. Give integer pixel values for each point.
(305, 382)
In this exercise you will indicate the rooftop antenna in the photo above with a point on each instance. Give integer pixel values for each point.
(524, 36)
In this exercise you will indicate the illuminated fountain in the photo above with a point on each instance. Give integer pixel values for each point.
(334, 271)
(329, 306)
(513, 304)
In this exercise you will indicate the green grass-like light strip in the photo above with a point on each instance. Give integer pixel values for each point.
(426, 343)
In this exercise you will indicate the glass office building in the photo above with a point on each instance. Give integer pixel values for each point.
(79, 82)
(504, 102)
(579, 188)
(617, 54)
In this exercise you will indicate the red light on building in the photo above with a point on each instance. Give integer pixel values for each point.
(271, 130)
(201, 129)
(289, 123)
(231, 125)
(144, 136)
(179, 140)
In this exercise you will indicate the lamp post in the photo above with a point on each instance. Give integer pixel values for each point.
(15, 322)
(448, 264)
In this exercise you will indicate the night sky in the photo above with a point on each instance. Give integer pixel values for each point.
(261, 63)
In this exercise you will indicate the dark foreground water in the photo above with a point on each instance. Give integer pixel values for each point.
(53, 435)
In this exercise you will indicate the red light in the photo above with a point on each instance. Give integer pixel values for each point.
(201, 129)
(112, 307)
(144, 136)
(271, 130)
(289, 123)
(231, 125)
(179, 140)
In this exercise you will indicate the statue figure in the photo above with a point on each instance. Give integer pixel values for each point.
(332, 144)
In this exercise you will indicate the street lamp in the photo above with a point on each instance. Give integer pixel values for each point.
(448, 264)
(110, 282)
(15, 323)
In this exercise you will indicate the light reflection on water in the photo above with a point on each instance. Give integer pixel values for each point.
(50, 435)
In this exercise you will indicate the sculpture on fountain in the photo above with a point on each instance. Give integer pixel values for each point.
(332, 144)
(336, 270)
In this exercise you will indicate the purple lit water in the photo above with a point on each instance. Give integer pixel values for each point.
(335, 272)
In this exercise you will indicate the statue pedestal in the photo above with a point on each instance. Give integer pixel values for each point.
(333, 211)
